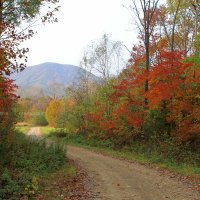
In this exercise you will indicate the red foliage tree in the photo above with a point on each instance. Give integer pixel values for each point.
(7, 94)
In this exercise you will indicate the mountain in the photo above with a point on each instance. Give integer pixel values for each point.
(48, 79)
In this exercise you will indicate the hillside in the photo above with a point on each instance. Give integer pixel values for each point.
(48, 79)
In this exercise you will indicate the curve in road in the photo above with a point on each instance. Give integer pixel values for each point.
(122, 180)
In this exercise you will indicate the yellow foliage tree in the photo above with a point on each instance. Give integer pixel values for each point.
(52, 111)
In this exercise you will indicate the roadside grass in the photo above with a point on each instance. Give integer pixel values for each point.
(23, 129)
(23, 161)
(46, 130)
(154, 158)
(54, 186)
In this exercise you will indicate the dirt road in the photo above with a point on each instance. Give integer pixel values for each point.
(35, 131)
(121, 180)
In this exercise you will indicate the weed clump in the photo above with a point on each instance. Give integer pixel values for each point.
(23, 161)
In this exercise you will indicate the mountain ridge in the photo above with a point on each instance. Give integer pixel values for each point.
(48, 78)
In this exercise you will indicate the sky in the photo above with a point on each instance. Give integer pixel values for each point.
(79, 23)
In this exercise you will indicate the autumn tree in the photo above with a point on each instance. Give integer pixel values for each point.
(52, 110)
(104, 57)
(12, 15)
(145, 11)
(66, 119)
(177, 19)
(12, 57)
(167, 62)
(7, 98)
(80, 95)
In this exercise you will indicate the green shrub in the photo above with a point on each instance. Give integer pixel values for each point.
(61, 132)
(58, 132)
(7, 121)
(8, 186)
(39, 120)
(27, 158)
(156, 127)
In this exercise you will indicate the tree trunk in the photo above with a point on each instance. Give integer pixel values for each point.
(147, 65)
(1, 17)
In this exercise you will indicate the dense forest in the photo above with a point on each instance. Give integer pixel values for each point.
(152, 106)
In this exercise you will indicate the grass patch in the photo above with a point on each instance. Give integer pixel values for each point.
(47, 131)
(23, 129)
(23, 161)
(54, 186)
(54, 132)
